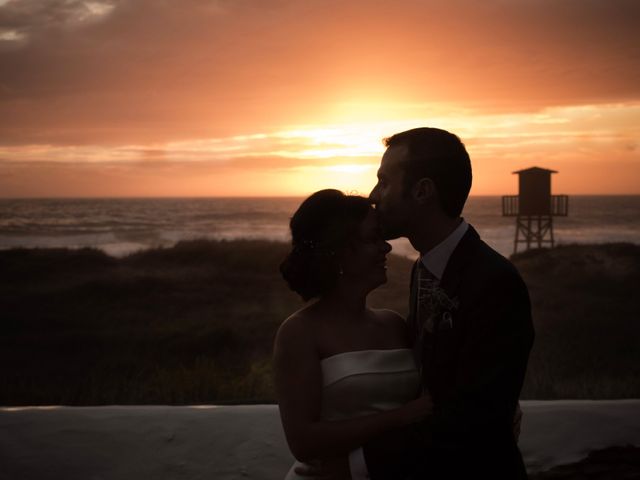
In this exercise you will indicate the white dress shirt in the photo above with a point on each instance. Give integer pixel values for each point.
(435, 260)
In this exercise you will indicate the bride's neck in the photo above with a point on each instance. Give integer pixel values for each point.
(345, 300)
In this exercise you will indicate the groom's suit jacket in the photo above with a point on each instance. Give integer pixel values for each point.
(473, 366)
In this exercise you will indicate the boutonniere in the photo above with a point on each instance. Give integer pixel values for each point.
(436, 308)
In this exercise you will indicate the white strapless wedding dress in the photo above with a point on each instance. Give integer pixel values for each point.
(365, 382)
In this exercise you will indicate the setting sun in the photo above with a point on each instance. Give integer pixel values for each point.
(213, 112)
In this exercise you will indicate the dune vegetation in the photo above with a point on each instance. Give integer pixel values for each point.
(195, 323)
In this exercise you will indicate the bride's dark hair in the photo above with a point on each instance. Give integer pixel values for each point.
(324, 224)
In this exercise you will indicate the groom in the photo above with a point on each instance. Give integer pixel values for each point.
(470, 320)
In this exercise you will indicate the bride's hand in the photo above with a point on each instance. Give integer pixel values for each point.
(417, 409)
(517, 422)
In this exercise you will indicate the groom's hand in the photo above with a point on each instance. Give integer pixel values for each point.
(336, 468)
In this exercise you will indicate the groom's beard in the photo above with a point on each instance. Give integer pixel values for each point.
(392, 232)
(395, 217)
(391, 229)
(391, 236)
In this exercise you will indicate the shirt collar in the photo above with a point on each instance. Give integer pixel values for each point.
(436, 259)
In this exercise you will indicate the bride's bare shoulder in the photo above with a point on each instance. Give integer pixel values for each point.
(301, 318)
(297, 328)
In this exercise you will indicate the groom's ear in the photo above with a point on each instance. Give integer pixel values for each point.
(424, 190)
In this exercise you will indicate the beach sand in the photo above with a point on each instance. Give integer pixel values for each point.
(239, 442)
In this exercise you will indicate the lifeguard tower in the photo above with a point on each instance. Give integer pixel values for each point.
(534, 208)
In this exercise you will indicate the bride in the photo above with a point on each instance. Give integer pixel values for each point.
(344, 372)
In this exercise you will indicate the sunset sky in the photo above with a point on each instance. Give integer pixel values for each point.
(284, 97)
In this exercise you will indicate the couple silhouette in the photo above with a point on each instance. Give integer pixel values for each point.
(365, 393)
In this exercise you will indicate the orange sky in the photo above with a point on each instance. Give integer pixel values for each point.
(284, 97)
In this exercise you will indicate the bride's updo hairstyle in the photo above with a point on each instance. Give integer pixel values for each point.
(324, 224)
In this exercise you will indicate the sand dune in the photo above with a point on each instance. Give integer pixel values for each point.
(238, 442)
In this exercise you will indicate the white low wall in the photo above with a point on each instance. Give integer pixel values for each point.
(240, 442)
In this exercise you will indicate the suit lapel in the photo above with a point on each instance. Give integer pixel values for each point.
(413, 289)
(413, 299)
(459, 258)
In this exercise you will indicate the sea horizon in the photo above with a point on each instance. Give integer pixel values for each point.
(123, 225)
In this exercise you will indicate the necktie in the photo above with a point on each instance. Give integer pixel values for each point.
(422, 321)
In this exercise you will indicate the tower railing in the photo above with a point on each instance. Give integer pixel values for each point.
(510, 204)
(559, 206)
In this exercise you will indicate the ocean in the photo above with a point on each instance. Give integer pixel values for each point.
(122, 226)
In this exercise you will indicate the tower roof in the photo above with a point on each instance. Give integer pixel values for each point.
(534, 169)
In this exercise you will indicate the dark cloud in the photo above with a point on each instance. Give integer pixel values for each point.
(152, 70)
(27, 17)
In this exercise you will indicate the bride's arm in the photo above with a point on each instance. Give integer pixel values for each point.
(298, 382)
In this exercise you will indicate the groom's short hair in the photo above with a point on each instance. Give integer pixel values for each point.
(440, 156)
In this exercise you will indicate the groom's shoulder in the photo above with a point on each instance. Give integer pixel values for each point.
(493, 264)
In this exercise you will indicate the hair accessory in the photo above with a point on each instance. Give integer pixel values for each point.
(312, 244)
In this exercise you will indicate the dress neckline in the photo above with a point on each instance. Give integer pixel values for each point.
(370, 350)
